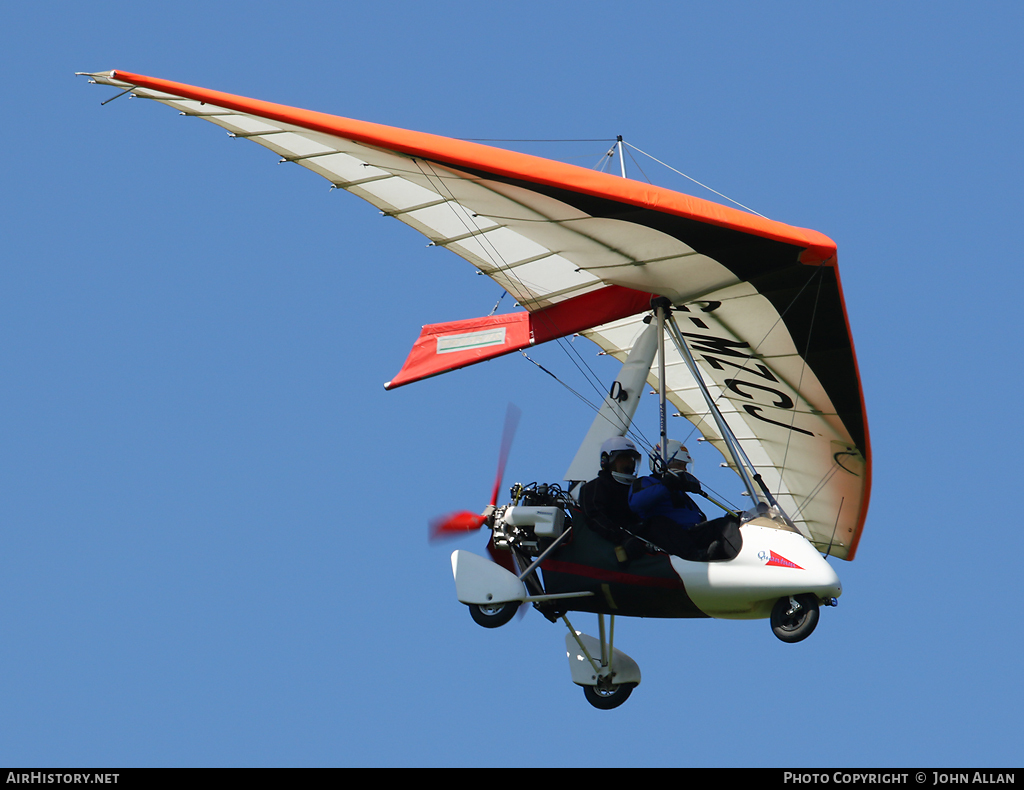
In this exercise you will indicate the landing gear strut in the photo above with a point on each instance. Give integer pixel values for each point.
(608, 676)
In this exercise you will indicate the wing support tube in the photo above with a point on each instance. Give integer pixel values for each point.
(746, 469)
(743, 465)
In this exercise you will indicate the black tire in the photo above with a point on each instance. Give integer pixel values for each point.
(493, 615)
(608, 696)
(797, 626)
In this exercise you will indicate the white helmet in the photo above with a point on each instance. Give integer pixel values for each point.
(612, 449)
(677, 453)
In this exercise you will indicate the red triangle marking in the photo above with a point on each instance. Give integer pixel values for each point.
(782, 562)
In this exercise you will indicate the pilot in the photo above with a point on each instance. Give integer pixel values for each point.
(605, 499)
(662, 503)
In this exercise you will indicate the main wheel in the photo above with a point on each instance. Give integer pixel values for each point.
(608, 696)
(797, 625)
(493, 615)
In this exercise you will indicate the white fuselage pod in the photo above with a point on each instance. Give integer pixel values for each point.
(775, 561)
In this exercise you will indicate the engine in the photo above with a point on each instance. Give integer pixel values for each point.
(537, 515)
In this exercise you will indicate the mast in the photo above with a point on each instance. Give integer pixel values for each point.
(662, 310)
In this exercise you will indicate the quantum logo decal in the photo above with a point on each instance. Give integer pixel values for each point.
(771, 558)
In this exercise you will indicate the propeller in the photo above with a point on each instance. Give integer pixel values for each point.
(463, 521)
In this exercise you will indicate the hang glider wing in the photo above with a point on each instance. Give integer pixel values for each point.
(582, 251)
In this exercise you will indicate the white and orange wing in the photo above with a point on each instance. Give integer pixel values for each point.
(759, 301)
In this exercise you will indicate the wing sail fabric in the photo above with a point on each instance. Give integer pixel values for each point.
(759, 301)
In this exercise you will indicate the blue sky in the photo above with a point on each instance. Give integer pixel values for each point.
(213, 518)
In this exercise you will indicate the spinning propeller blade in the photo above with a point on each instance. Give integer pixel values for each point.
(512, 416)
(464, 521)
(455, 523)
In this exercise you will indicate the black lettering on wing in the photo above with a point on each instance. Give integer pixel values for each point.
(705, 306)
(783, 402)
(756, 368)
(708, 344)
(753, 412)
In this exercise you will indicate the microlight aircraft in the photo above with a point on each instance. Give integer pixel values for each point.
(737, 321)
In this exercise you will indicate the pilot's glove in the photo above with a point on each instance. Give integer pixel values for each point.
(671, 481)
(682, 481)
(690, 484)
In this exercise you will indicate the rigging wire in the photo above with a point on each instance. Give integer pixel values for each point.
(606, 159)
(634, 160)
(583, 398)
(829, 474)
(637, 434)
(494, 309)
(695, 181)
(835, 527)
(803, 366)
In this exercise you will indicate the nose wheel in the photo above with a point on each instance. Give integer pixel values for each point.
(795, 617)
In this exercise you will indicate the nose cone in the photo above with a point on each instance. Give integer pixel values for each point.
(822, 577)
(789, 565)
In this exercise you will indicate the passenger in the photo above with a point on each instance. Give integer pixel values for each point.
(605, 499)
(664, 493)
(668, 514)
